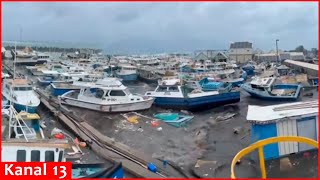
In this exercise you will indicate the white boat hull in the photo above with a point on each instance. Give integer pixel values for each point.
(136, 106)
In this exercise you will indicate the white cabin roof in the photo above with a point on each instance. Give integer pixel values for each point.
(263, 114)
(106, 83)
(266, 82)
(49, 72)
(170, 82)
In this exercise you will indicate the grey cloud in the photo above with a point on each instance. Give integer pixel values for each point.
(157, 27)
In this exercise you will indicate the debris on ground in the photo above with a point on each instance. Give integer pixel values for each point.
(186, 112)
(154, 123)
(238, 130)
(133, 119)
(285, 164)
(225, 117)
(159, 129)
(205, 168)
(308, 94)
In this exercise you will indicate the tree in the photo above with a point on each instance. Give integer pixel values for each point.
(301, 49)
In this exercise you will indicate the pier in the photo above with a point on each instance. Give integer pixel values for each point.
(308, 68)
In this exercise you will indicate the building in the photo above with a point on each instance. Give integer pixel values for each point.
(213, 55)
(241, 52)
(291, 119)
(271, 57)
(297, 56)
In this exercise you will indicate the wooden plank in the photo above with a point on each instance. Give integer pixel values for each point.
(129, 165)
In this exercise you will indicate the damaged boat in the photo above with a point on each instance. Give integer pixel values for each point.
(267, 89)
(108, 96)
(173, 93)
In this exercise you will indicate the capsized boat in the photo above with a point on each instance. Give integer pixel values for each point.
(267, 89)
(173, 94)
(21, 93)
(107, 95)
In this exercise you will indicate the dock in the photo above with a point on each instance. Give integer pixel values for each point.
(308, 68)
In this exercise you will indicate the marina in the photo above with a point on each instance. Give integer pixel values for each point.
(162, 90)
(204, 121)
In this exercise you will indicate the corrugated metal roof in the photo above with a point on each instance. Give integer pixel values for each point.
(303, 64)
(278, 112)
(238, 45)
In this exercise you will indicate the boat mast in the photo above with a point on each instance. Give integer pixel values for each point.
(14, 73)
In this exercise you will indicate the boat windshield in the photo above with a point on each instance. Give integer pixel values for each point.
(99, 93)
(173, 89)
(26, 88)
(162, 89)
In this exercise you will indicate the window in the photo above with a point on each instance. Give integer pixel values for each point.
(35, 156)
(60, 156)
(162, 89)
(49, 156)
(99, 93)
(21, 156)
(173, 89)
(117, 93)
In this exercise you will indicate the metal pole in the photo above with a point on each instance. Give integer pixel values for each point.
(277, 50)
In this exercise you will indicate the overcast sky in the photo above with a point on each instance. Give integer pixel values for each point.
(159, 27)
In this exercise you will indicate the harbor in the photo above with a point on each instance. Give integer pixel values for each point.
(162, 90)
(205, 136)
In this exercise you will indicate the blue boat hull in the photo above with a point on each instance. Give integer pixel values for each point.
(29, 109)
(129, 77)
(266, 96)
(58, 91)
(198, 103)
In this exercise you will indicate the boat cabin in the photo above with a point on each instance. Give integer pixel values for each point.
(33, 151)
(262, 83)
(17, 85)
(128, 68)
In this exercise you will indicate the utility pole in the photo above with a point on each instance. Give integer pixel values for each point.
(20, 30)
(277, 50)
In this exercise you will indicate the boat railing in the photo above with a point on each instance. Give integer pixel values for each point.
(13, 116)
(260, 144)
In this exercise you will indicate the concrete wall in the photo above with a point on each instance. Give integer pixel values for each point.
(241, 55)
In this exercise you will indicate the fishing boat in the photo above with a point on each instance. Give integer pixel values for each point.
(21, 93)
(127, 73)
(267, 89)
(148, 76)
(249, 68)
(109, 95)
(207, 85)
(21, 143)
(59, 88)
(48, 79)
(173, 94)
